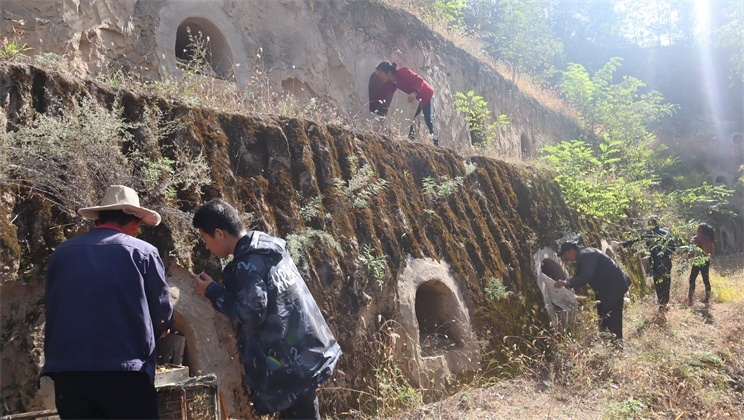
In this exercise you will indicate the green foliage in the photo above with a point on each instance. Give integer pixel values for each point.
(522, 37)
(313, 208)
(495, 289)
(391, 391)
(68, 157)
(731, 36)
(448, 13)
(615, 175)
(470, 167)
(163, 170)
(475, 111)
(299, 243)
(362, 185)
(620, 110)
(704, 199)
(374, 264)
(632, 408)
(593, 183)
(13, 48)
(395, 391)
(437, 190)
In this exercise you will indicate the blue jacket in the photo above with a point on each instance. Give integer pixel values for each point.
(106, 303)
(602, 274)
(287, 348)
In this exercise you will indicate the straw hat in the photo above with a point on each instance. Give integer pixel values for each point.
(119, 197)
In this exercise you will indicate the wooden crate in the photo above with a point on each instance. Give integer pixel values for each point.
(195, 398)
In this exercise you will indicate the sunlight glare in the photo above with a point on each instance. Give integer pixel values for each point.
(710, 81)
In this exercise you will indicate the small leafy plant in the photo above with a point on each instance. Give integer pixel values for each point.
(437, 190)
(475, 111)
(374, 264)
(495, 289)
(363, 184)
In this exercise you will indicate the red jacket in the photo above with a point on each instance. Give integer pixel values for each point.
(408, 81)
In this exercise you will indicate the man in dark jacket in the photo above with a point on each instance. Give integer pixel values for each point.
(660, 244)
(287, 349)
(608, 281)
(106, 303)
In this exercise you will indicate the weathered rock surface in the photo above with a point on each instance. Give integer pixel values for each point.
(321, 49)
(489, 227)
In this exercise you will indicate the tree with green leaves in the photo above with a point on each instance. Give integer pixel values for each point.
(521, 37)
(616, 174)
(731, 36)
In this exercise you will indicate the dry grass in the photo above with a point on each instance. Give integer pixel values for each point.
(470, 42)
(687, 364)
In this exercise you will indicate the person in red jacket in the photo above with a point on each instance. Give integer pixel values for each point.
(415, 86)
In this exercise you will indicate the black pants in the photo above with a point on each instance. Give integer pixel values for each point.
(662, 281)
(105, 395)
(611, 319)
(430, 119)
(703, 269)
(305, 408)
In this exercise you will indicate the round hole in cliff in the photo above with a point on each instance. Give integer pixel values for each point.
(553, 270)
(526, 144)
(200, 42)
(439, 330)
(737, 138)
(721, 180)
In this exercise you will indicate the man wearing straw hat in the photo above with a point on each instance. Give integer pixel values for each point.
(106, 303)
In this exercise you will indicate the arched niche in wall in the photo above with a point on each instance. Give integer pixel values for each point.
(526, 146)
(721, 180)
(198, 39)
(436, 314)
(560, 304)
(435, 325)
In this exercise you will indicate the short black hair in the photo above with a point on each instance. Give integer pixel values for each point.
(565, 246)
(117, 217)
(218, 214)
(387, 67)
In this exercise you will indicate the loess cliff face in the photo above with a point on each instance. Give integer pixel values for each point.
(487, 226)
(329, 54)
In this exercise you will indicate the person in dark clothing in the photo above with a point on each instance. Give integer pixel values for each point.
(412, 84)
(608, 281)
(703, 250)
(106, 303)
(380, 94)
(287, 349)
(661, 246)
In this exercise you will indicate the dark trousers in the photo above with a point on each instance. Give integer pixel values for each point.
(611, 318)
(662, 282)
(305, 408)
(105, 395)
(704, 270)
(429, 118)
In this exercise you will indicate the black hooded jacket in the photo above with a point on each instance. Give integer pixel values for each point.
(286, 346)
(595, 268)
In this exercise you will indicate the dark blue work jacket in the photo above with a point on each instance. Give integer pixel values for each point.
(106, 303)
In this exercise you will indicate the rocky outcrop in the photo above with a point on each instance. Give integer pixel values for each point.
(329, 53)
